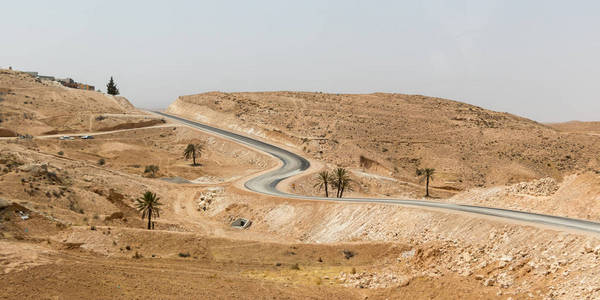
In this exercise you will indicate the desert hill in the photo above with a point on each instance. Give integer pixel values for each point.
(31, 106)
(393, 134)
(577, 126)
(69, 224)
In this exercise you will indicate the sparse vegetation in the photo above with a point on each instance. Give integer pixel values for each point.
(191, 151)
(152, 170)
(426, 175)
(324, 179)
(430, 260)
(101, 162)
(348, 254)
(111, 87)
(149, 206)
(61, 153)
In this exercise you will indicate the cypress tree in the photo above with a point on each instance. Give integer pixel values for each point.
(111, 87)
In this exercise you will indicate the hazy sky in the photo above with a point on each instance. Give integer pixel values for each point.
(538, 59)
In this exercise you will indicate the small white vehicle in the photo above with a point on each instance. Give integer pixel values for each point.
(24, 216)
(65, 137)
(87, 137)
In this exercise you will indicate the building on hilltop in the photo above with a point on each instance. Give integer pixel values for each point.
(68, 82)
(87, 87)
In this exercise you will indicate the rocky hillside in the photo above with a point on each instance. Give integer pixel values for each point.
(393, 134)
(31, 106)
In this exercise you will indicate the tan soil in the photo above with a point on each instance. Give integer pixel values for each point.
(393, 134)
(30, 106)
(84, 239)
(133, 125)
(7, 133)
(577, 126)
(577, 196)
(398, 252)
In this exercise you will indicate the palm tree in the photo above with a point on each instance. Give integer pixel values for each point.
(426, 174)
(324, 178)
(345, 186)
(341, 181)
(192, 150)
(148, 205)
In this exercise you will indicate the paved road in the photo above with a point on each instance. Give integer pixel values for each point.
(294, 164)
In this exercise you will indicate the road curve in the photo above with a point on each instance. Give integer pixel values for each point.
(294, 164)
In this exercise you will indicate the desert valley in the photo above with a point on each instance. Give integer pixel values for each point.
(74, 162)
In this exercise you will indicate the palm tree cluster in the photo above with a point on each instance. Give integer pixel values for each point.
(149, 206)
(193, 150)
(426, 175)
(339, 179)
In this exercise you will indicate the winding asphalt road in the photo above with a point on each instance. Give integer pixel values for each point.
(294, 164)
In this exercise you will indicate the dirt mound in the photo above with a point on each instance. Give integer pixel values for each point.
(7, 133)
(576, 196)
(54, 131)
(540, 187)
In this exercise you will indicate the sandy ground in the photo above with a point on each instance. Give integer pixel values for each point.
(30, 106)
(82, 237)
(395, 251)
(392, 135)
(505, 150)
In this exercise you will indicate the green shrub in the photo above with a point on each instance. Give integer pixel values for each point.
(152, 169)
(348, 254)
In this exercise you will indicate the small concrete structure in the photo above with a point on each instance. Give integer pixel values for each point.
(44, 77)
(68, 82)
(241, 223)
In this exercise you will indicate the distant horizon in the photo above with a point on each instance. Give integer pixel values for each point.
(535, 59)
(299, 91)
